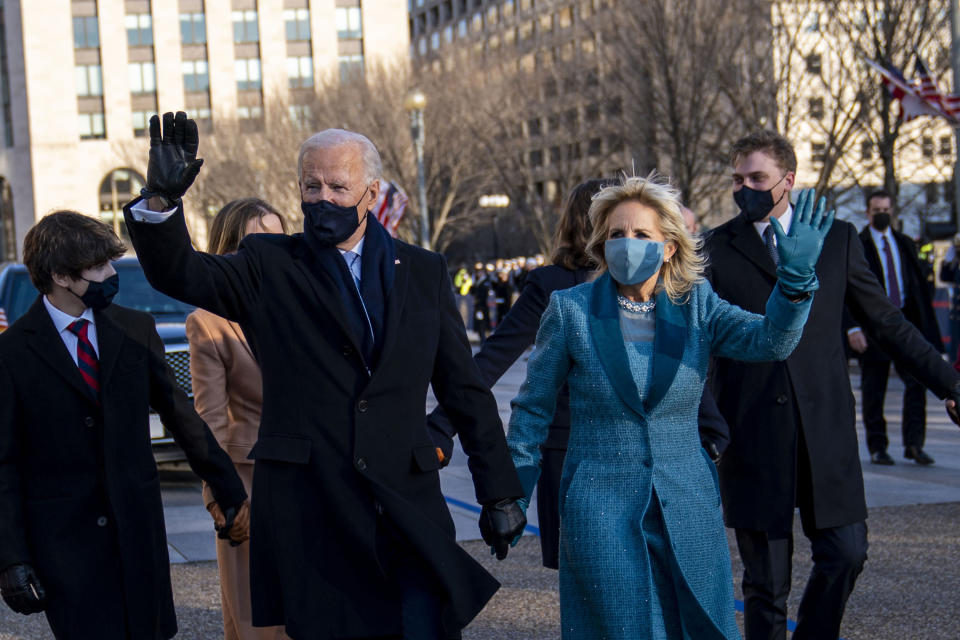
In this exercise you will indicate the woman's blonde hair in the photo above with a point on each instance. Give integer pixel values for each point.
(685, 268)
(230, 223)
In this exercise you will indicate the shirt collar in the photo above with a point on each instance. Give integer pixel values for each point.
(357, 248)
(785, 221)
(877, 235)
(63, 320)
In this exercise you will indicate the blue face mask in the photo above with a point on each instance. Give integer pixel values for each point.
(633, 260)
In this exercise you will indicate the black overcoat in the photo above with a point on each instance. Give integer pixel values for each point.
(917, 302)
(79, 491)
(340, 448)
(765, 404)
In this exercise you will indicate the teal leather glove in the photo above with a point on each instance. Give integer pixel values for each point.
(528, 480)
(800, 249)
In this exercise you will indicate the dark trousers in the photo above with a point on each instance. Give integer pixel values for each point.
(838, 557)
(873, 388)
(548, 505)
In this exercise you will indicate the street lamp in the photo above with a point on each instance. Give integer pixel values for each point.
(415, 103)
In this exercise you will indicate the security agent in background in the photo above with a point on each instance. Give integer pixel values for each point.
(793, 441)
(351, 536)
(893, 259)
(82, 536)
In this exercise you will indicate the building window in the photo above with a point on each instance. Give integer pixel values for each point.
(422, 47)
(932, 192)
(201, 116)
(813, 63)
(818, 152)
(247, 71)
(546, 23)
(476, 24)
(143, 77)
(139, 29)
(249, 113)
(596, 147)
(946, 145)
(926, 145)
(300, 113)
(508, 8)
(812, 24)
(592, 112)
(193, 28)
(565, 17)
(351, 66)
(435, 40)
(297, 23)
(615, 107)
(89, 80)
(91, 126)
(525, 5)
(536, 158)
(816, 108)
(300, 72)
(86, 32)
(866, 150)
(141, 122)
(462, 29)
(492, 15)
(196, 75)
(245, 27)
(533, 127)
(448, 34)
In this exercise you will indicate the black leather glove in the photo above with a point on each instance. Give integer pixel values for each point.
(229, 515)
(22, 590)
(500, 524)
(953, 403)
(173, 163)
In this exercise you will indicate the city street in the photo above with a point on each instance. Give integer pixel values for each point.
(910, 587)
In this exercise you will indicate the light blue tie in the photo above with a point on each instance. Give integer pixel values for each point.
(353, 263)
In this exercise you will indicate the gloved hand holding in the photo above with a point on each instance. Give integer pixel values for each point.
(953, 403)
(500, 523)
(800, 249)
(22, 590)
(173, 163)
(233, 523)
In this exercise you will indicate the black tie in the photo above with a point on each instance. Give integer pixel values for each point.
(768, 242)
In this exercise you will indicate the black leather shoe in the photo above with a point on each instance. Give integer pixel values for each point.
(881, 457)
(918, 455)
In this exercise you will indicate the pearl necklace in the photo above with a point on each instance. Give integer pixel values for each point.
(636, 307)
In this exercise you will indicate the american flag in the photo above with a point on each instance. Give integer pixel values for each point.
(3, 319)
(948, 103)
(390, 206)
(915, 100)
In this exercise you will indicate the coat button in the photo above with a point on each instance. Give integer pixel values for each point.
(782, 399)
(378, 507)
(361, 464)
(362, 406)
(102, 521)
(89, 422)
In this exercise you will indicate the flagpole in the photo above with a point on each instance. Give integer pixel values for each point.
(955, 64)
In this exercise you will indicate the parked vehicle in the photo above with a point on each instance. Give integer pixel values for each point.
(17, 293)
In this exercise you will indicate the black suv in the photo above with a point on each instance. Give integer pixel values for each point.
(17, 293)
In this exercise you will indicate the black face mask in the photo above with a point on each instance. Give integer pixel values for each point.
(756, 205)
(328, 224)
(881, 220)
(99, 295)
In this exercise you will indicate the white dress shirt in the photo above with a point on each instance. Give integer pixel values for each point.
(785, 221)
(63, 320)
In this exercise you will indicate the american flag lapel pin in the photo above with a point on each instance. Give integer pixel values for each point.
(397, 261)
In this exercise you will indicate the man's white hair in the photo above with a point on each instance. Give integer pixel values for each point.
(330, 138)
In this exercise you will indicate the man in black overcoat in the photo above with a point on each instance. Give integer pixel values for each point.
(82, 536)
(350, 536)
(793, 440)
(892, 258)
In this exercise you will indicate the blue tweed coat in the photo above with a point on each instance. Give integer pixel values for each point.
(635, 454)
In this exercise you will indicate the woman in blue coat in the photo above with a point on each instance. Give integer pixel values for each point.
(643, 552)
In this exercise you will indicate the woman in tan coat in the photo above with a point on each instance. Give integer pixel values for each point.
(228, 396)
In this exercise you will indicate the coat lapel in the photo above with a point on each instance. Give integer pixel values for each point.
(109, 340)
(318, 270)
(668, 343)
(48, 345)
(394, 305)
(608, 341)
(748, 242)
